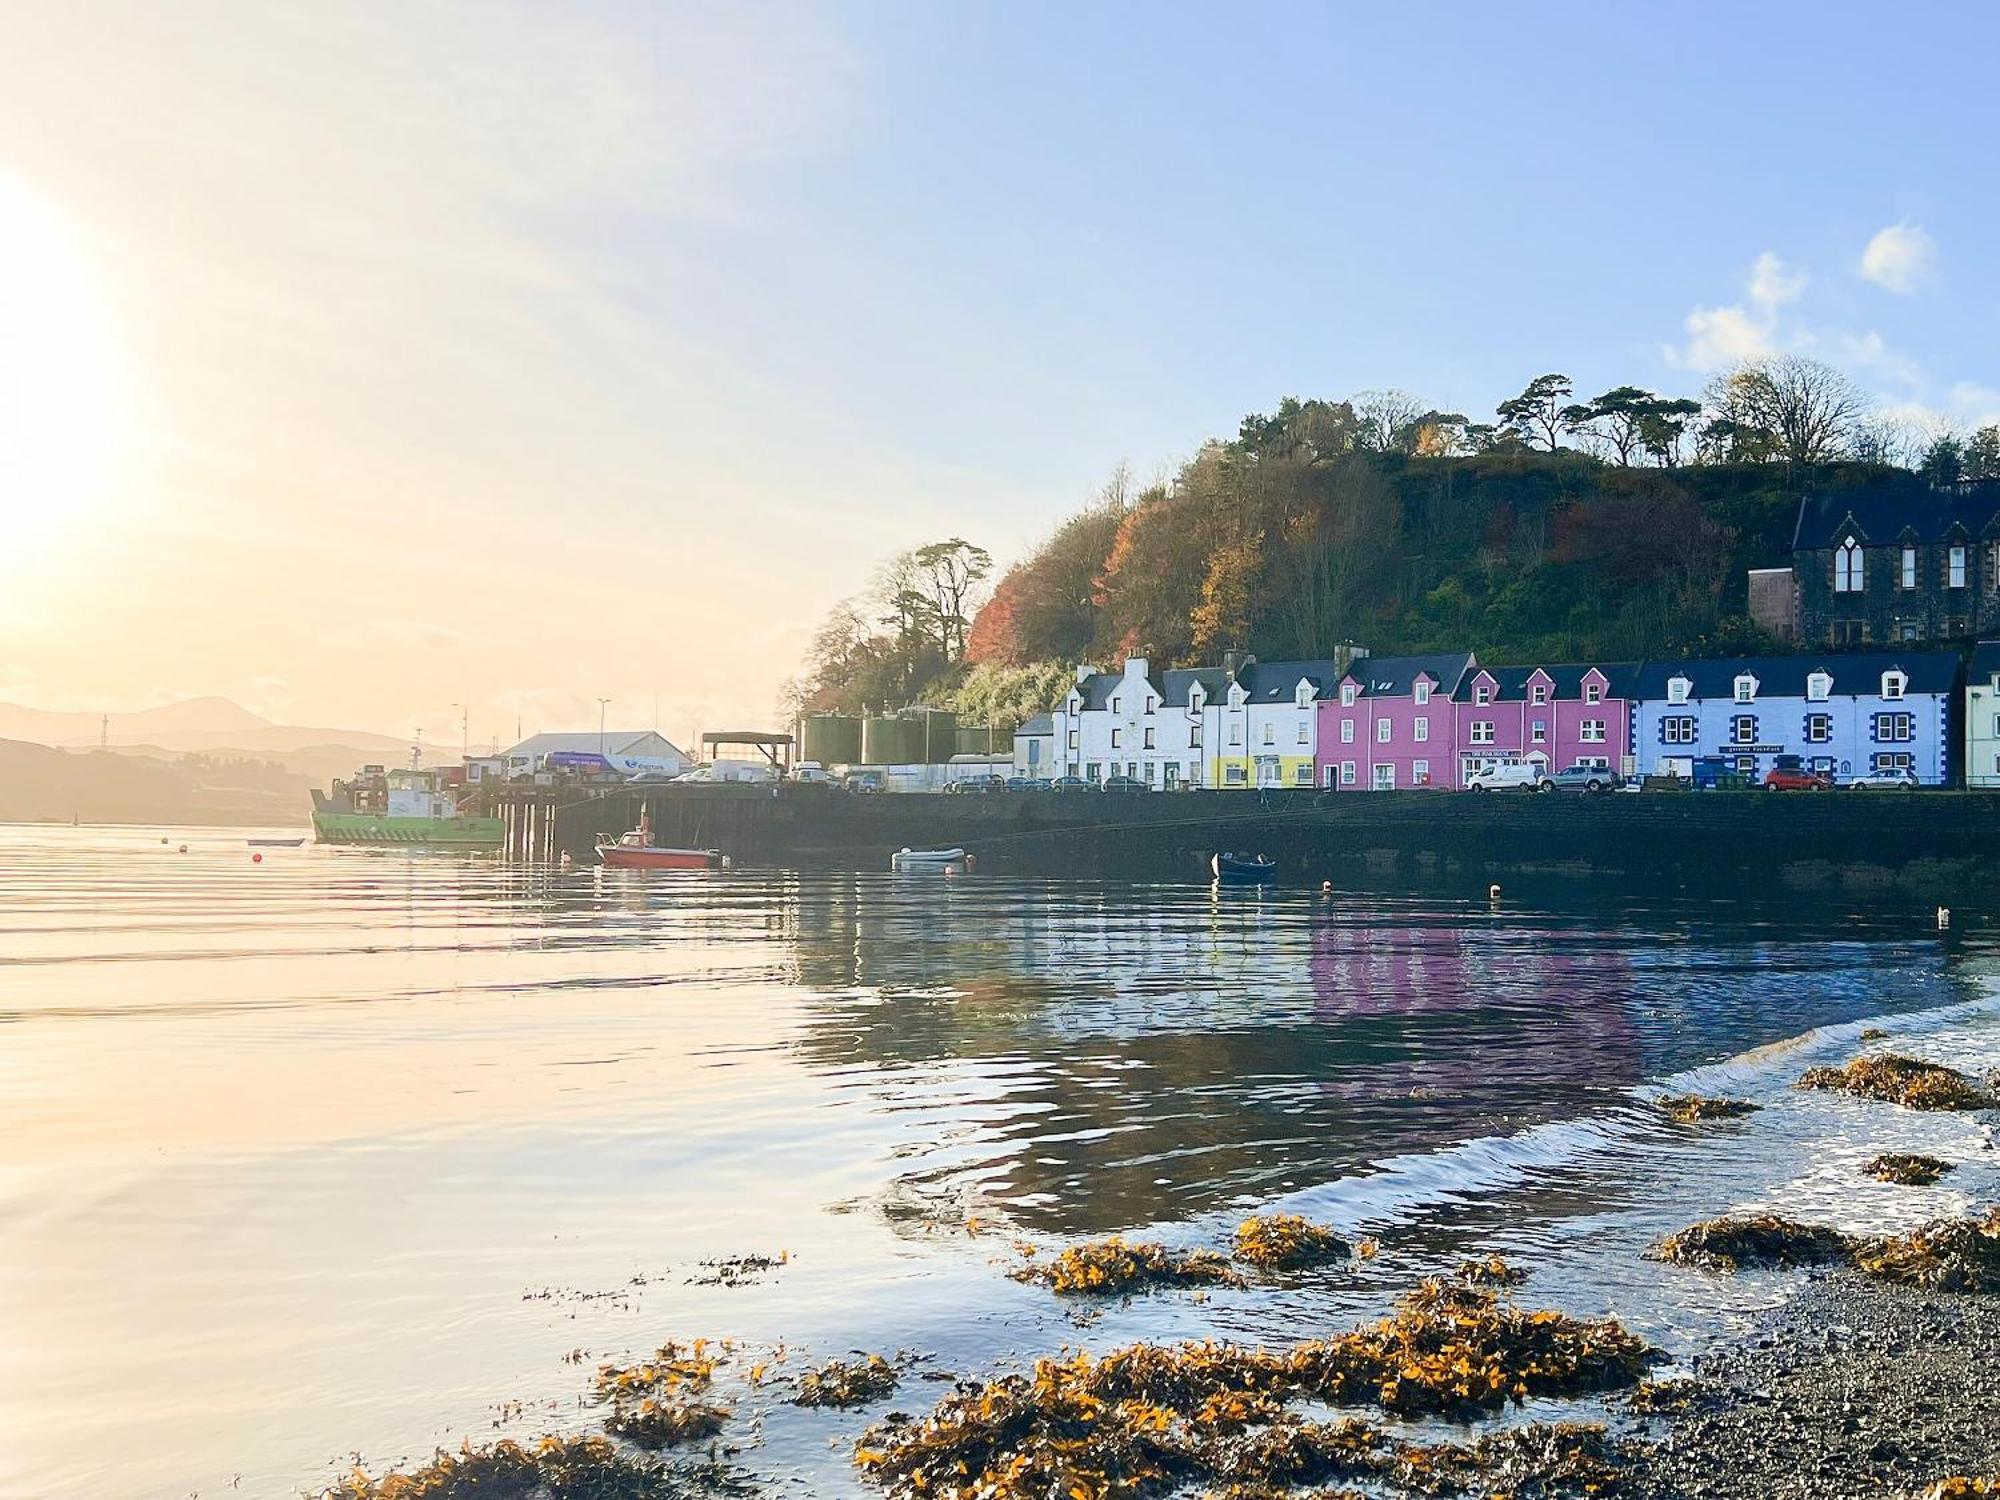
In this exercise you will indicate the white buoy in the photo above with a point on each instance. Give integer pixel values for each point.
(1944, 918)
(1493, 893)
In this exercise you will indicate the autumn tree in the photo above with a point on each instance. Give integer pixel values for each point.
(1536, 415)
(1229, 596)
(1808, 412)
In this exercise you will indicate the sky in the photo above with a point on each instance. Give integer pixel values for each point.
(359, 362)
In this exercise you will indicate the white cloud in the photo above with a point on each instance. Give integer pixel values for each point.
(1974, 405)
(1870, 353)
(1899, 258)
(1718, 337)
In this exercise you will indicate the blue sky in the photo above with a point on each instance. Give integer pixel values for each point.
(437, 337)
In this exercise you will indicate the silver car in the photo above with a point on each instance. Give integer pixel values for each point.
(1902, 779)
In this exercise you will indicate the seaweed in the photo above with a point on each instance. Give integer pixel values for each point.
(1115, 1265)
(1492, 1271)
(1656, 1398)
(1907, 1170)
(675, 1370)
(1692, 1109)
(1536, 1460)
(1945, 1255)
(846, 1382)
(653, 1425)
(1288, 1242)
(653, 1402)
(1961, 1487)
(1727, 1243)
(1874, 1034)
(580, 1468)
(1907, 1081)
(1148, 1419)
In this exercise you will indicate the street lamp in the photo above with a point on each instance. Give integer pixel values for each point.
(600, 726)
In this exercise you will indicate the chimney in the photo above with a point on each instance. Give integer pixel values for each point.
(1084, 672)
(1234, 663)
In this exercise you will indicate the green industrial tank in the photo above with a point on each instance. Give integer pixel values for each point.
(975, 739)
(831, 739)
(891, 742)
(937, 733)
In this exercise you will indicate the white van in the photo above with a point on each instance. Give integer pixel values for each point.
(1501, 775)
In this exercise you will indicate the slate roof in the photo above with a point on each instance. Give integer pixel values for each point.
(1785, 676)
(1882, 513)
(1985, 659)
(1396, 676)
(1181, 680)
(1511, 683)
(1039, 724)
(647, 742)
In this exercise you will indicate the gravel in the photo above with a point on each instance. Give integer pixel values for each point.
(1852, 1388)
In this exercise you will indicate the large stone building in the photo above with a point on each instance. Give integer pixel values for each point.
(1897, 562)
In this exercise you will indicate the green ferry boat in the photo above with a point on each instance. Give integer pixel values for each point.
(379, 806)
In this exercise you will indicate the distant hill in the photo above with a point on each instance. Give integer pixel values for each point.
(194, 724)
(39, 783)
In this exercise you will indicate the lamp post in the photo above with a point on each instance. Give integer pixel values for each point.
(601, 702)
(464, 732)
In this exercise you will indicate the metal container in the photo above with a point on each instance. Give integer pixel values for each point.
(937, 734)
(892, 742)
(831, 739)
(975, 739)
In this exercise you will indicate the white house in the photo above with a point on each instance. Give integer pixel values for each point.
(1982, 716)
(1035, 748)
(1264, 720)
(627, 751)
(1130, 724)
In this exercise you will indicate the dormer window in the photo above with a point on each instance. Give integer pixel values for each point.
(1347, 695)
(1847, 568)
(1075, 704)
(1423, 691)
(1746, 689)
(1819, 687)
(1304, 694)
(1482, 693)
(1677, 689)
(1538, 693)
(1196, 697)
(1894, 684)
(1593, 692)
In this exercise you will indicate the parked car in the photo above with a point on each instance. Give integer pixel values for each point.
(1123, 784)
(1069, 784)
(811, 771)
(1503, 775)
(1027, 783)
(1783, 778)
(1902, 780)
(1586, 778)
(863, 781)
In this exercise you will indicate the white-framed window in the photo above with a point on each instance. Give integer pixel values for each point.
(1819, 687)
(1894, 684)
(1420, 730)
(1895, 729)
(1347, 695)
(1232, 776)
(1482, 693)
(1422, 692)
(1746, 689)
(1538, 732)
(1746, 765)
(1149, 736)
(1593, 692)
(1305, 733)
(1382, 729)
(1194, 773)
(1194, 736)
(1420, 773)
(1482, 732)
(1678, 730)
(1848, 571)
(1385, 777)
(1678, 689)
(1117, 737)
(1955, 568)
(1908, 576)
(1347, 773)
(1072, 739)
(1591, 731)
(1538, 694)
(1236, 733)
(1151, 771)
(1346, 731)
(1895, 760)
(1151, 704)
(1270, 734)
(1115, 702)
(1302, 694)
(1819, 728)
(1093, 772)
(1743, 729)
(1303, 776)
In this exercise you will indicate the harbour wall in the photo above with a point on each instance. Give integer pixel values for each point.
(1928, 842)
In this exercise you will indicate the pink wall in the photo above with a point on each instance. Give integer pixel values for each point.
(1408, 759)
(1561, 722)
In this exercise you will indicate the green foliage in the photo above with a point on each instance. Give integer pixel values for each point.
(1005, 696)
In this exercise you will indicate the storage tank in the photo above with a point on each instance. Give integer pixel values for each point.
(891, 742)
(831, 739)
(975, 739)
(937, 734)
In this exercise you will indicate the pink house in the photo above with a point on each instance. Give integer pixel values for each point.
(1557, 716)
(1389, 723)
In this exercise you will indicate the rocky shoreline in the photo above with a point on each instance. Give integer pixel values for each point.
(1850, 1388)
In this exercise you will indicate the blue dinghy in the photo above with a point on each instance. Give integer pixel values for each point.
(1234, 869)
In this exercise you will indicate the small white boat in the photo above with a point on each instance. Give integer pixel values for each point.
(951, 861)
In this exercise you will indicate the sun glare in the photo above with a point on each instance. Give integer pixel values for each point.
(62, 418)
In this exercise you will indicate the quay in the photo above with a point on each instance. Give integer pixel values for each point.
(1931, 841)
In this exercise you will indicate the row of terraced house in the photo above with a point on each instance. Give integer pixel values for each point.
(1369, 723)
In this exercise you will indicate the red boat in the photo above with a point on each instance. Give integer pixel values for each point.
(637, 851)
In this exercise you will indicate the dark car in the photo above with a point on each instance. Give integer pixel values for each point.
(1124, 784)
(1584, 777)
(1027, 783)
(1069, 784)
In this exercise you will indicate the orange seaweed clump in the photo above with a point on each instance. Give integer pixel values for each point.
(582, 1468)
(1692, 1109)
(1727, 1243)
(1540, 1459)
(1962, 1487)
(676, 1370)
(846, 1382)
(1287, 1242)
(1907, 1081)
(1492, 1271)
(1907, 1170)
(1117, 1265)
(1945, 1255)
(665, 1424)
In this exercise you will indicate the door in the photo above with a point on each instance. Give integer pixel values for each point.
(1385, 778)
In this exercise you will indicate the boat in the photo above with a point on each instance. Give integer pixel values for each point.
(636, 850)
(1235, 869)
(276, 843)
(403, 806)
(950, 861)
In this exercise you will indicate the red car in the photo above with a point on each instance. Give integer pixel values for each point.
(1796, 779)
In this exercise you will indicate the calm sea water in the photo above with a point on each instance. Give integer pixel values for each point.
(359, 1153)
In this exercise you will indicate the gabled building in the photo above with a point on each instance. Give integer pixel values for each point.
(1846, 715)
(1982, 716)
(1896, 563)
(1553, 716)
(1035, 747)
(1132, 723)
(1262, 719)
(1388, 723)
(630, 751)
